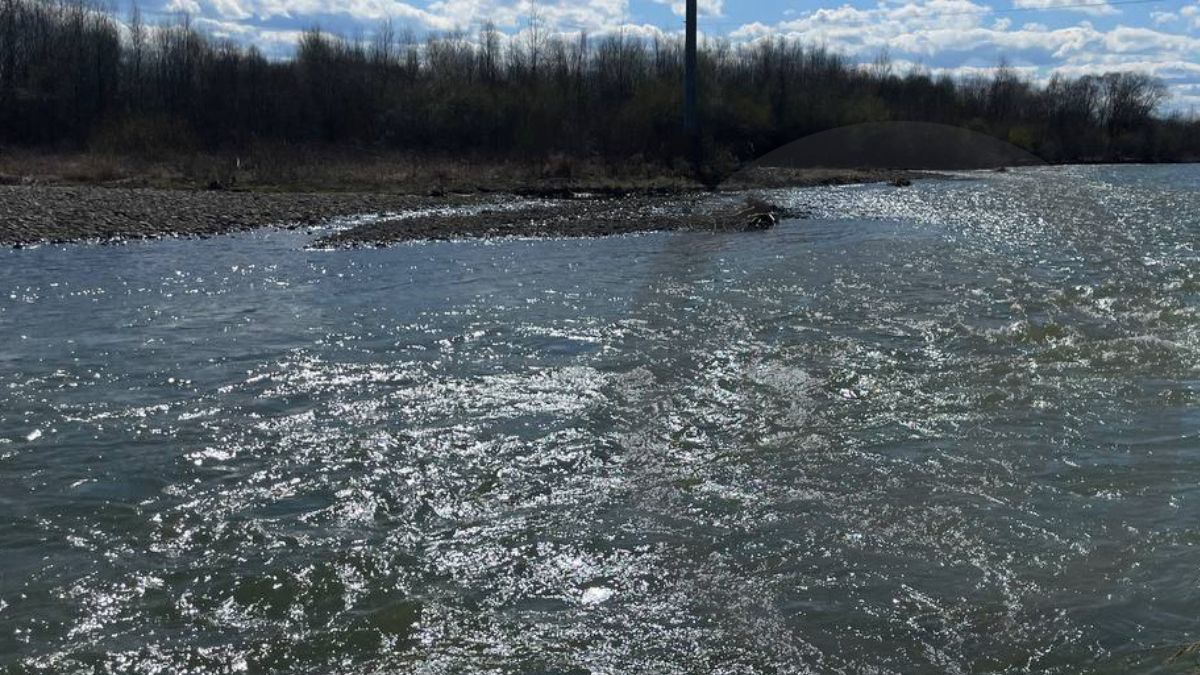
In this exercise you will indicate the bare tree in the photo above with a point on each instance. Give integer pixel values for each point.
(489, 53)
(536, 37)
(383, 45)
(137, 49)
(1130, 99)
(69, 73)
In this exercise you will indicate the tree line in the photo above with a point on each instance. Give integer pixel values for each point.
(73, 75)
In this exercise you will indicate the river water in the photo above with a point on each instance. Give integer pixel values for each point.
(949, 428)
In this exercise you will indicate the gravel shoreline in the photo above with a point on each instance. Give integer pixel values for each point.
(55, 214)
(35, 214)
(579, 217)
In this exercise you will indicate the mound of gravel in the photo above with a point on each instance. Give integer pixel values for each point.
(45, 214)
(59, 214)
(585, 217)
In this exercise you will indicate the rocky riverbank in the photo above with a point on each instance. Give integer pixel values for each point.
(585, 216)
(57, 214)
(31, 214)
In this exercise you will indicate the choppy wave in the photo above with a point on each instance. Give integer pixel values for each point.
(950, 428)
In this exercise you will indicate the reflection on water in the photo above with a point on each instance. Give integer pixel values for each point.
(951, 428)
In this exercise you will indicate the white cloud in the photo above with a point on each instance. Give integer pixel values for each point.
(1192, 12)
(1162, 18)
(1092, 7)
(183, 7)
(704, 7)
(1127, 39)
(962, 37)
(271, 42)
(946, 36)
(567, 14)
(441, 15)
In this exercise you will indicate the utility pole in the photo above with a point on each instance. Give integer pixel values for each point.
(691, 122)
(691, 116)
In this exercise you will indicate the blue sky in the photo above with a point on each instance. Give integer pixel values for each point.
(1038, 37)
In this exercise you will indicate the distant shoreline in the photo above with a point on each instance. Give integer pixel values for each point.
(34, 213)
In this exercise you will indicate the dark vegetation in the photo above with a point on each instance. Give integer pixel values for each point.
(74, 78)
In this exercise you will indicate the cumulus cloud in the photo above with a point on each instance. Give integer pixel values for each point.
(1093, 7)
(183, 7)
(703, 7)
(1192, 13)
(962, 37)
(439, 15)
(944, 36)
(271, 42)
(1163, 18)
(591, 14)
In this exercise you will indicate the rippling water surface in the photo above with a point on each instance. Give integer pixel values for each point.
(952, 428)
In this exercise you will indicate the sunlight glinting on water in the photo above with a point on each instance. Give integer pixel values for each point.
(947, 428)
